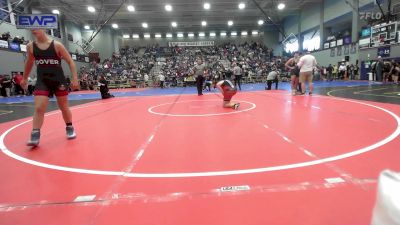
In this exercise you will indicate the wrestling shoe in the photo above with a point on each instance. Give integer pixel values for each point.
(70, 132)
(236, 106)
(35, 138)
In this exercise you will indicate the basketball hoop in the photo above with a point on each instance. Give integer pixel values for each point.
(85, 45)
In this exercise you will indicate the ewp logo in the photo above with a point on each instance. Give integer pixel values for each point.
(43, 21)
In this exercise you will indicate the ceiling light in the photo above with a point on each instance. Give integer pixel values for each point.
(207, 5)
(222, 34)
(146, 35)
(180, 35)
(136, 36)
(130, 8)
(244, 33)
(230, 23)
(145, 25)
(55, 11)
(281, 6)
(87, 27)
(203, 23)
(260, 22)
(233, 33)
(254, 32)
(242, 5)
(158, 35)
(169, 35)
(202, 34)
(115, 26)
(191, 35)
(168, 7)
(174, 24)
(91, 9)
(125, 36)
(212, 34)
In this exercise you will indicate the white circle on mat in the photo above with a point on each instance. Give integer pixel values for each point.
(362, 150)
(152, 111)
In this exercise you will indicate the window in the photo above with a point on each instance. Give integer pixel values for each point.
(311, 41)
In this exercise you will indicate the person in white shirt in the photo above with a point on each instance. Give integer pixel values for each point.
(31, 84)
(342, 71)
(161, 77)
(146, 79)
(307, 63)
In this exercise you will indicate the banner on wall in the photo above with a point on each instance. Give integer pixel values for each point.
(37, 21)
(346, 50)
(353, 49)
(339, 51)
(332, 52)
(3, 44)
(191, 43)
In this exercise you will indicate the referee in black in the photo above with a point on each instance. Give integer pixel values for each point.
(198, 73)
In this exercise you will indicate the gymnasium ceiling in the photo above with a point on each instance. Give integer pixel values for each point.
(188, 14)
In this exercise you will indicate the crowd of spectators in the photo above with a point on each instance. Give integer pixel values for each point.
(10, 85)
(253, 58)
(17, 39)
(175, 64)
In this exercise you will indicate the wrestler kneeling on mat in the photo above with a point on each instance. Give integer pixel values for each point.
(228, 90)
(47, 55)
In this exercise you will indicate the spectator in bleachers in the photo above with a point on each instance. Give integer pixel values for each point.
(342, 71)
(6, 85)
(161, 78)
(17, 84)
(379, 69)
(329, 71)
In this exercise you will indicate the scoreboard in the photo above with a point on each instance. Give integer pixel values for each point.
(383, 34)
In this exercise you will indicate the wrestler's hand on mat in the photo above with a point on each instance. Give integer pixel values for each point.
(24, 84)
(74, 84)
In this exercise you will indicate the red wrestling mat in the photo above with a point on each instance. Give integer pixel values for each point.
(186, 160)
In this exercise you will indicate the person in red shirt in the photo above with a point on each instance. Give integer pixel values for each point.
(17, 79)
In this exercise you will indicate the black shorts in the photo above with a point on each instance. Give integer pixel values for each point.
(295, 72)
(47, 86)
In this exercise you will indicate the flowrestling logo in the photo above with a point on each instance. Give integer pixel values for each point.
(47, 62)
(371, 16)
(35, 21)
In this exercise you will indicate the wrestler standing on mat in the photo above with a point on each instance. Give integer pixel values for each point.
(291, 64)
(228, 90)
(47, 55)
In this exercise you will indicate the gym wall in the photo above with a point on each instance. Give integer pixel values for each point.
(105, 43)
(76, 33)
(270, 37)
(324, 57)
(372, 52)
